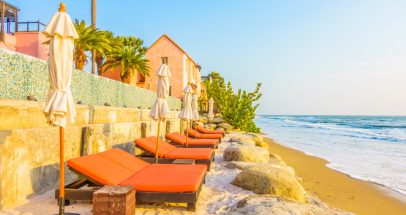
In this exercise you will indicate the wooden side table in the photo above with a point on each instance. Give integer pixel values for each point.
(183, 161)
(114, 200)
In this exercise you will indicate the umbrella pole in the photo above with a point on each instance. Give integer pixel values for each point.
(187, 135)
(61, 172)
(157, 141)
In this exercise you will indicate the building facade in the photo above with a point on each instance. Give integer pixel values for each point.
(164, 50)
(23, 37)
(183, 68)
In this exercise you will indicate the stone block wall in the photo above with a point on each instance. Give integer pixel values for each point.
(29, 147)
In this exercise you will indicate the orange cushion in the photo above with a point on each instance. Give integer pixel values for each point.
(193, 133)
(149, 144)
(190, 153)
(179, 138)
(168, 178)
(176, 137)
(207, 131)
(124, 159)
(203, 136)
(100, 169)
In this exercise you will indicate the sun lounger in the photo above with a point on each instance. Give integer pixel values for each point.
(170, 152)
(152, 182)
(198, 135)
(192, 142)
(208, 131)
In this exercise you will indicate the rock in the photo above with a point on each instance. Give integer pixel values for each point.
(219, 129)
(262, 144)
(254, 134)
(272, 179)
(269, 205)
(258, 138)
(246, 140)
(233, 139)
(199, 124)
(239, 165)
(226, 126)
(244, 152)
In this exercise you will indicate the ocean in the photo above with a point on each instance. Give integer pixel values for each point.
(370, 148)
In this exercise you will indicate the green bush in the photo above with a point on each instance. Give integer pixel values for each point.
(237, 109)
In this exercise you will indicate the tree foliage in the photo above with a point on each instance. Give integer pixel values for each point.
(238, 109)
(89, 39)
(129, 54)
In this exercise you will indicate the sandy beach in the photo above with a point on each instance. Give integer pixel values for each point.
(338, 189)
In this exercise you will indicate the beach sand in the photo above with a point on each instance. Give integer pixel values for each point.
(338, 189)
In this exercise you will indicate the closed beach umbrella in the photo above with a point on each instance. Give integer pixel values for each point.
(59, 107)
(195, 103)
(160, 109)
(195, 107)
(187, 113)
(211, 114)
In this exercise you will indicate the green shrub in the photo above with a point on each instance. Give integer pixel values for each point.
(237, 109)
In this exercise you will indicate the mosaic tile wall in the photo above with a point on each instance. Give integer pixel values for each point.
(22, 75)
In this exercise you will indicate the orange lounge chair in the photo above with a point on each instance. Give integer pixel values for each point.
(208, 131)
(198, 135)
(152, 182)
(170, 152)
(192, 142)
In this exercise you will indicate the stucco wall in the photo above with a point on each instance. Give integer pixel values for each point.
(22, 75)
(31, 43)
(29, 147)
(165, 48)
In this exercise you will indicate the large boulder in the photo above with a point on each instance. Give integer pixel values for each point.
(227, 127)
(278, 180)
(246, 152)
(246, 140)
(239, 165)
(269, 205)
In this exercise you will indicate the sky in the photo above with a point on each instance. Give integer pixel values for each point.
(322, 57)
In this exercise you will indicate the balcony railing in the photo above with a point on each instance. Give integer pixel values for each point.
(30, 26)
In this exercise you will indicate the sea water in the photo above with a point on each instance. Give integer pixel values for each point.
(370, 148)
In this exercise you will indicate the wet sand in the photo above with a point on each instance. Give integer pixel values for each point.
(340, 190)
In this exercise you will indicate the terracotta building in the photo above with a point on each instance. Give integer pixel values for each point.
(184, 69)
(23, 37)
(164, 50)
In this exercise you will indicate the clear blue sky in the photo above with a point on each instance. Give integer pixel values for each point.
(313, 56)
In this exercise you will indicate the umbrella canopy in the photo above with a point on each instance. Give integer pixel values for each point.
(187, 112)
(161, 109)
(211, 114)
(195, 107)
(59, 107)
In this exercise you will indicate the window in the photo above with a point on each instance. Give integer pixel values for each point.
(164, 60)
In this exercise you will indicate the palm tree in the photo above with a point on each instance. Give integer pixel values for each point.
(129, 55)
(94, 53)
(101, 56)
(89, 39)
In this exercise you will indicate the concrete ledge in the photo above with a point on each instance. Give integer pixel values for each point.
(16, 114)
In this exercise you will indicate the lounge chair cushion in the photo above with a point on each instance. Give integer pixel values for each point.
(168, 178)
(199, 135)
(207, 131)
(179, 138)
(149, 144)
(100, 169)
(190, 153)
(124, 159)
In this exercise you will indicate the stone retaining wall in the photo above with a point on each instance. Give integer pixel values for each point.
(22, 75)
(29, 147)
